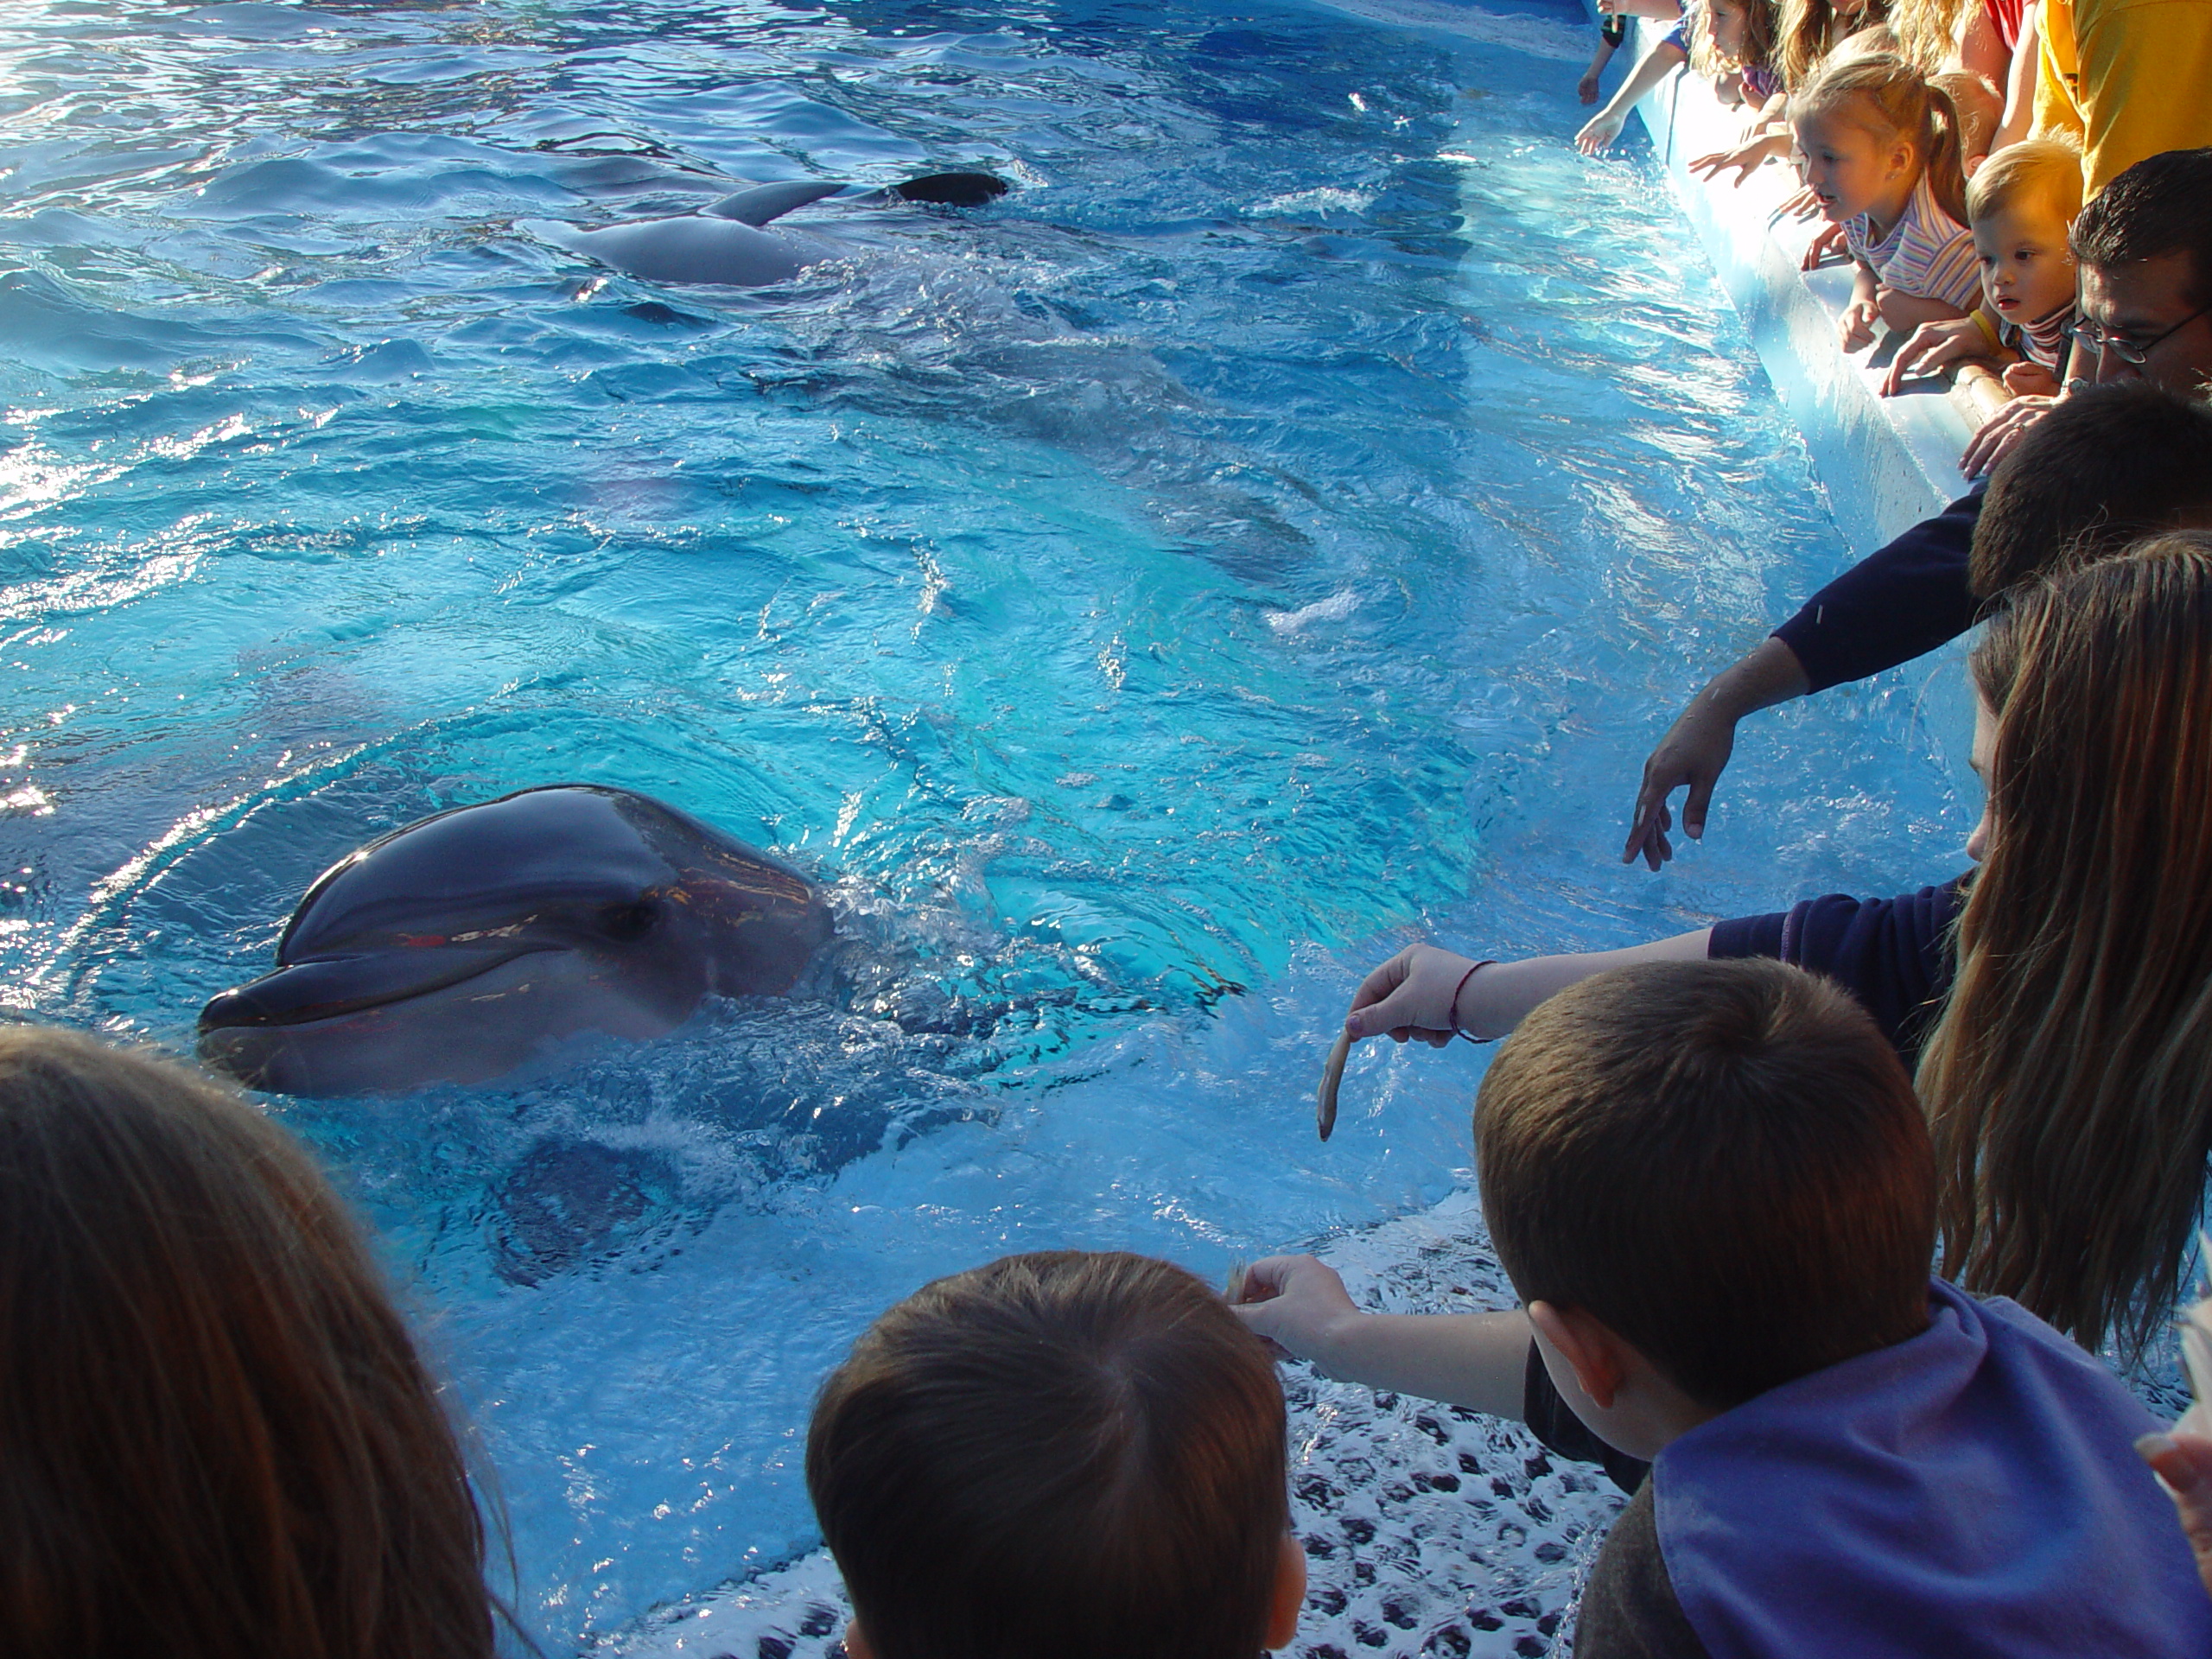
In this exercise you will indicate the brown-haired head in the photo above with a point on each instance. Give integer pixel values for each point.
(2103, 469)
(2066, 1080)
(1756, 40)
(1810, 29)
(1073, 1453)
(1723, 1161)
(1886, 96)
(216, 1435)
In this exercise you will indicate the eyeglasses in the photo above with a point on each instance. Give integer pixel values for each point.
(2096, 339)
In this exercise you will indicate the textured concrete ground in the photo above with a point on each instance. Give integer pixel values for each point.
(1427, 1530)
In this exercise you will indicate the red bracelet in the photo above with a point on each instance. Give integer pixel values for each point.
(1453, 1012)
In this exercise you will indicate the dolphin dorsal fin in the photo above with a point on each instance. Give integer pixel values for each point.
(758, 204)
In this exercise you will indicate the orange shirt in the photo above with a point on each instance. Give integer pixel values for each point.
(2129, 78)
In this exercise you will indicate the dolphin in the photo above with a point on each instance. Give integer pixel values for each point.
(464, 945)
(727, 242)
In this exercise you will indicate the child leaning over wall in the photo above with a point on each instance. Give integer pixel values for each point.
(1715, 1190)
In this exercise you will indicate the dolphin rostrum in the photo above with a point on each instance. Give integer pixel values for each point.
(460, 947)
(727, 242)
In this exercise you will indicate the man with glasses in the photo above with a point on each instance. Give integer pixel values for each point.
(2143, 246)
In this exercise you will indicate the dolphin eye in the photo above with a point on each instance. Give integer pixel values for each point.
(623, 923)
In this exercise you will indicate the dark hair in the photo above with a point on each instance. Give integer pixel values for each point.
(2162, 205)
(1723, 1161)
(1063, 1454)
(2103, 469)
(216, 1435)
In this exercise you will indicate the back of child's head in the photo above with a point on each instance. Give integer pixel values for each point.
(216, 1435)
(2102, 470)
(1886, 97)
(1808, 30)
(2161, 205)
(1062, 1453)
(2045, 173)
(1722, 1162)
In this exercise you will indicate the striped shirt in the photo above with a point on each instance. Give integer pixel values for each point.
(1927, 254)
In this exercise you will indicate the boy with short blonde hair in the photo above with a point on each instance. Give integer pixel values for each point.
(2020, 204)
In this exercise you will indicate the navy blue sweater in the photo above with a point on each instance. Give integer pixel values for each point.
(1894, 955)
(1899, 602)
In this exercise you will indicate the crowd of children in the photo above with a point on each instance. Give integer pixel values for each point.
(1820, 1220)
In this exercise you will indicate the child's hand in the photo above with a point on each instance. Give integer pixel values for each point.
(1410, 996)
(1297, 1303)
(1934, 347)
(1804, 205)
(2183, 1462)
(1599, 134)
(1827, 242)
(2026, 379)
(1746, 159)
(1586, 88)
(1855, 327)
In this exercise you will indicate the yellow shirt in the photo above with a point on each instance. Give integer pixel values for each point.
(2128, 77)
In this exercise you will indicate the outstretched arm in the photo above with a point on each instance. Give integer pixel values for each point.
(1475, 1360)
(1434, 994)
(1604, 127)
(1697, 745)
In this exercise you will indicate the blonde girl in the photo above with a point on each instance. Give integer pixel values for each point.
(1880, 151)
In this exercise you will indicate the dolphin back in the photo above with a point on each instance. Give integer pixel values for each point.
(689, 248)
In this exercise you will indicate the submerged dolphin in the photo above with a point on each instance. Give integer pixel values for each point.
(726, 242)
(458, 948)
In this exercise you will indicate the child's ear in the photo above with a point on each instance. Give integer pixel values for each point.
(1591, 1351)
(1288, 1597)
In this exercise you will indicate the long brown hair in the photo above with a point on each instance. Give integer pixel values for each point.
(2069, 1081)
(1892, 99)
(1756, 50)
(216, 1435)
(1810, 29)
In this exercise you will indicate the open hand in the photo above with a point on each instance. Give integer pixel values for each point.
(1745, 158)
(1802, 205)
(1599, 133)
(2001, 432)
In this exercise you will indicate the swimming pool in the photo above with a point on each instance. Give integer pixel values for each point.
(1276, 529)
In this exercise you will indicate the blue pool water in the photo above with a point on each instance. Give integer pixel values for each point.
(1274, 531)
